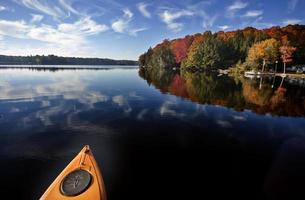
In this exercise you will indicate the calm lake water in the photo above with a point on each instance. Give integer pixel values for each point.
(155, 134)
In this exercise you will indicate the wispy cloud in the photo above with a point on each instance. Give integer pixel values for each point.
(253, 13)
(292, 5)
(208, 21)
(201, 10)
(224, 27)
(259, 23)
(54, 8)
(36, 18)
(134, 32)
(43, 7)
(169, 18)
(235, 7)
(128, 13)
(85, 27)
(67, 5)
(291, 21)
(142, 7)
(122, 25)
(2, 8)
(65, 36)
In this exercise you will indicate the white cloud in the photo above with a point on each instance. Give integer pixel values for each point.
(85, 26)
(134, 32)
(291, 21)
(128, 13)
(258, 23)
(142, 7)
(169, 18)
(67, 5)
(36, 18)
(292, 5)
(122, 25)
(237, 5)
(17, 29)
(253, 13)
(56, 9)
(64, 38)
(199, 9)
(2, 8)
(224, 27)
(43, 7)
(208, 21)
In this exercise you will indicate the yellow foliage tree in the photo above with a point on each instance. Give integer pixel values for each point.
(265, 52)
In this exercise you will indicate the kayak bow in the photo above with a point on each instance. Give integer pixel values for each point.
(80, 180)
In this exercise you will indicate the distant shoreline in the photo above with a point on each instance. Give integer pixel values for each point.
(58, 60)
(67, 67)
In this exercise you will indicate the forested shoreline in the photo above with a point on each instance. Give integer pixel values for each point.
(246, 49)
(57, 60)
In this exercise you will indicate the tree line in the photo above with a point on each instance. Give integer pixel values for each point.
(57, 60)
(249, 49)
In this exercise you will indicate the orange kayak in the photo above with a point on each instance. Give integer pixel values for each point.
(80, 180)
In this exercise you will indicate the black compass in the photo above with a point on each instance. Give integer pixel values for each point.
(75, 183)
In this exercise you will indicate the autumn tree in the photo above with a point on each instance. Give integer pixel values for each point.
(206, 53)
(256, 47)
(193, 55)
(265, 52)
(287, 54)
(180, 48)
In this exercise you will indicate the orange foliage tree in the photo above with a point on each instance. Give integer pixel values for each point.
(266, 51)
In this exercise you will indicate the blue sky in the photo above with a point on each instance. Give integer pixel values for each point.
(124, 29)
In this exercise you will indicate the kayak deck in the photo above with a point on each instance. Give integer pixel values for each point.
(80, 180)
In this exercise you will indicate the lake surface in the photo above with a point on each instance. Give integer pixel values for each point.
(156, 134)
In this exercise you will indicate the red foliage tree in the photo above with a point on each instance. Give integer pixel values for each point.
(286, 54)
(180, 48)
(274, 32)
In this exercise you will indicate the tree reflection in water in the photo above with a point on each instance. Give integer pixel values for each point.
(264, 95)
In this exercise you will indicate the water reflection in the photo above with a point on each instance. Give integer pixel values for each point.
(263, 95)
(67, 101)
(141, 135)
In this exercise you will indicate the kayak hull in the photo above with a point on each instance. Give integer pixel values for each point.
(83, 162)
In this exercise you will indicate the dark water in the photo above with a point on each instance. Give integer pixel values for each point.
(162, 136)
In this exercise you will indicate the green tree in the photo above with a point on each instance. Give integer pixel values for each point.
(207, 53)
(212, 51)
